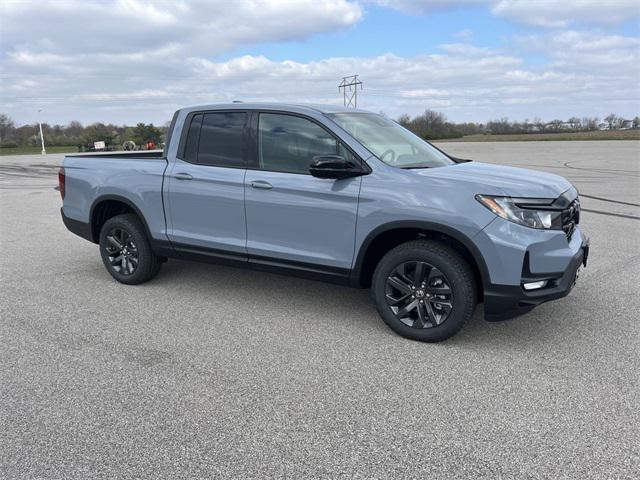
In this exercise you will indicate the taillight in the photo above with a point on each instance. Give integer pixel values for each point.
(62, 182)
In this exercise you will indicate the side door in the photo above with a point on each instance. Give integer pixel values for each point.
(294, 218)
(205, 197)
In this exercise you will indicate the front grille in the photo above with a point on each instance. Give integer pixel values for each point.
(571, 218)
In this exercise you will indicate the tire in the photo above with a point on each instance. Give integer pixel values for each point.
(139, 264)
(424, 290)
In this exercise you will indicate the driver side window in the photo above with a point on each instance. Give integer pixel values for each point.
(287, 143)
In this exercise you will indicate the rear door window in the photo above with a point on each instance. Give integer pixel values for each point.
(222, 139)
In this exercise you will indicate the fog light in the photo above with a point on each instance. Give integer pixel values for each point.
(534, 285)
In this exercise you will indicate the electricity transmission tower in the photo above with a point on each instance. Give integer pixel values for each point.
(349, 87)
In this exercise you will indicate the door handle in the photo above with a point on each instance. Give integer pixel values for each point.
(261, 184)
(183, 176)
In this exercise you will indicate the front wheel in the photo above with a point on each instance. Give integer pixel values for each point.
(424, 290)
(126, 252)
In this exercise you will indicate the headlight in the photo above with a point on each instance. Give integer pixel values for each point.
(528, 212)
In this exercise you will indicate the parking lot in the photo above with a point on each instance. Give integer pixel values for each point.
(212, 371)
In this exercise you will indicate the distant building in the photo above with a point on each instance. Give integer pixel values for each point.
(626, 124)
(603, 126)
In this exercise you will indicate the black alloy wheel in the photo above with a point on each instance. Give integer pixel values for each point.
(419, 294)
(126, 251)
(424, 290)
(121, 251)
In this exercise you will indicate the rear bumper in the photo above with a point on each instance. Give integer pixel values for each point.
(82, 229)
(502, 302)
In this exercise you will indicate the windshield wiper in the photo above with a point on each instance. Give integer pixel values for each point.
(416, 166)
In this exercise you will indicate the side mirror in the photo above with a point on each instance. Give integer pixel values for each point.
(334, 166)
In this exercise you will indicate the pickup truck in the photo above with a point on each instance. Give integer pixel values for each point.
(334, 194)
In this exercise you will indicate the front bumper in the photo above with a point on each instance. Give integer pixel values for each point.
(502, 302)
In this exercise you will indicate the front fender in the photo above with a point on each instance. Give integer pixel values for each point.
(438, 228)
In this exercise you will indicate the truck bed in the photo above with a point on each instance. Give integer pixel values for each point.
(135, 178)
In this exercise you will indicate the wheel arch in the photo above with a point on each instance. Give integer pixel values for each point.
(108, 206)
(389, 235)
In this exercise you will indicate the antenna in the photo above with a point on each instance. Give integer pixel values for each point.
(350, 96)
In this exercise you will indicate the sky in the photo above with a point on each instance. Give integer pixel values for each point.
(129, 61)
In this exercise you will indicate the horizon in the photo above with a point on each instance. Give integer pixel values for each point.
(163, 124)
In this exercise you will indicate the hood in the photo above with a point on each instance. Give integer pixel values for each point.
(501, 180)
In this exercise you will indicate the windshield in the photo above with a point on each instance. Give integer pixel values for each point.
(390, 142)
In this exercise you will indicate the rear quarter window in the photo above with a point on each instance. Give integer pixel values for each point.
(191, 145)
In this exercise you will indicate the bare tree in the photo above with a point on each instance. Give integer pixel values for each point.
(576, 123)
(6, 126)
(590, 123)
(539, 124)
(404, 120)
(74, 128)
(611, 120)
(500, 126)
(555, 125)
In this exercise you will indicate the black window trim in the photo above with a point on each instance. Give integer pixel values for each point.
(251, 135)
(254, 124)
(182, 146)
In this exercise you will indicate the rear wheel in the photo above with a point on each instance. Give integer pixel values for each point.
(424, 290)
(126, 252)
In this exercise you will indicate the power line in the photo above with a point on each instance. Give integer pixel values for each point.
(350, 96)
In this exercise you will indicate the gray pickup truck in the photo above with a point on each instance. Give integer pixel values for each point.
(333, 194)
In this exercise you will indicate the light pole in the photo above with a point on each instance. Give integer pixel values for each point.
(44, 151)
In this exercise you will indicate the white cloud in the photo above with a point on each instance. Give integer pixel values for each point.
(579, 51)
(75, 50)
(464, 81)
(83, 60)
(564, 13)
(200, 26)
(540, 13)
(422, 6)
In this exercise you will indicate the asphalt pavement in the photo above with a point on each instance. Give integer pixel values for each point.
(215, 372)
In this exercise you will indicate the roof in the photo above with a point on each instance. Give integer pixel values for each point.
(292, 107)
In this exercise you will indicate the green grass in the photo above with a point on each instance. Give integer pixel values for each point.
(36, 150)
(546, 137)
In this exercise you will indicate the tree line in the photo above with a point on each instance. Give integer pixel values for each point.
(430, 125)
(76, 134)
